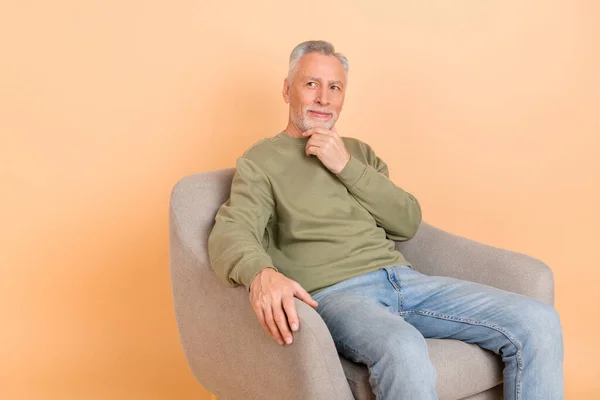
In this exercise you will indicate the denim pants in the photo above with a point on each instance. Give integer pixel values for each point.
(381, 319)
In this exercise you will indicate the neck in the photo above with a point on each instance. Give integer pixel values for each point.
(292, 130)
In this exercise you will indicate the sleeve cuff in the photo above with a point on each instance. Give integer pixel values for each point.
(352, 172)
(250, 269)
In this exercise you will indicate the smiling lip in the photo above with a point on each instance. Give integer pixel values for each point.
(319, 114)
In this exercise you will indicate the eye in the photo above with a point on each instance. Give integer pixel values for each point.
(311, 84)
(335, 87)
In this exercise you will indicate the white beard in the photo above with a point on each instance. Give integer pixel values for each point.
(305, 123)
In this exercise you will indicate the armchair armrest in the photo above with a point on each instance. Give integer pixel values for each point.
(225, 346)
(433, 251)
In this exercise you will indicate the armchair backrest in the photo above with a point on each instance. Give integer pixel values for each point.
(195, 200)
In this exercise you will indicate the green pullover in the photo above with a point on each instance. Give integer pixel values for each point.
(287, 211)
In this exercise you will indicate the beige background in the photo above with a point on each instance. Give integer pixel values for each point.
(485, 110)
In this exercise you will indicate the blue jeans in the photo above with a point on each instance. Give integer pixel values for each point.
(381, 319)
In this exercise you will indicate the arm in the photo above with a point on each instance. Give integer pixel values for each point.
(235, 242)
(394, 209)
(238, 257)
(397, 211)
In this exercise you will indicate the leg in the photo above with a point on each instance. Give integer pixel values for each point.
(361, 315)
(525, 332)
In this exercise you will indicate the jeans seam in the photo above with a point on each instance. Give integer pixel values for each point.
(369, 365)
(397, 287)
(400, 296)
(495, 327)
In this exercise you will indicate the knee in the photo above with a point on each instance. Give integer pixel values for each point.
(407, 353)
(404, 369)
(540, 326)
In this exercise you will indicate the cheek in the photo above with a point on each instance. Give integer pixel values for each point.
(305, 96)
(339, 102)
(298, 106)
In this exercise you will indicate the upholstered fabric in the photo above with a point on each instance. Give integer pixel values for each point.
(231, 356)
(463, 370)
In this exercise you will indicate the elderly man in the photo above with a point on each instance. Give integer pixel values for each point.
(313, 215)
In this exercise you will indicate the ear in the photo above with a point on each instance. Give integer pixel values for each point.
(286, 90)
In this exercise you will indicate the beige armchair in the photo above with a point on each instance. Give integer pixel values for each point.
(231, 356)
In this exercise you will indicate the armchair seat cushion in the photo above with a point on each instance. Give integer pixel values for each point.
(462, 370)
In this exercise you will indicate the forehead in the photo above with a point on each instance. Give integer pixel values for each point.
(327, 68)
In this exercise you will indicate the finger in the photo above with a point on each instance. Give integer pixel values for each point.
(308, 132)
(324, 131)
(323, 139)
(322, 136)
(320, 146)
(314, 150)
(282, 324)
(317, 141)
(305, 297)
(290, 310)
(313, 131)
(272, 325)
(261, 320)
(260, 315)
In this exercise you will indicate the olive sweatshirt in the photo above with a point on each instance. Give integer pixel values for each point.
(287, 211)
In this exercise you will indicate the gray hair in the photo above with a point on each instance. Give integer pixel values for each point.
(311, 46)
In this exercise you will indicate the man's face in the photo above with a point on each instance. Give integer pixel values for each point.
(316, 92)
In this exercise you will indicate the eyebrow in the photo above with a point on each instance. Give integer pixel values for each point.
(314, 78)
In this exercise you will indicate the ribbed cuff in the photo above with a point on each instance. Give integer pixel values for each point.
(352, 172)
(251, 268)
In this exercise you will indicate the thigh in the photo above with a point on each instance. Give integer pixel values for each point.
(365, 330)
(442, 307)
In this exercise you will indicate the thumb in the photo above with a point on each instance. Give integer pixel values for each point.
(305, 297)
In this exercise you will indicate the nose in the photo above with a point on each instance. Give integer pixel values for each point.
(322, 98)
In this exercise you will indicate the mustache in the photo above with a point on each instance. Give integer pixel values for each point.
(319, 110)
